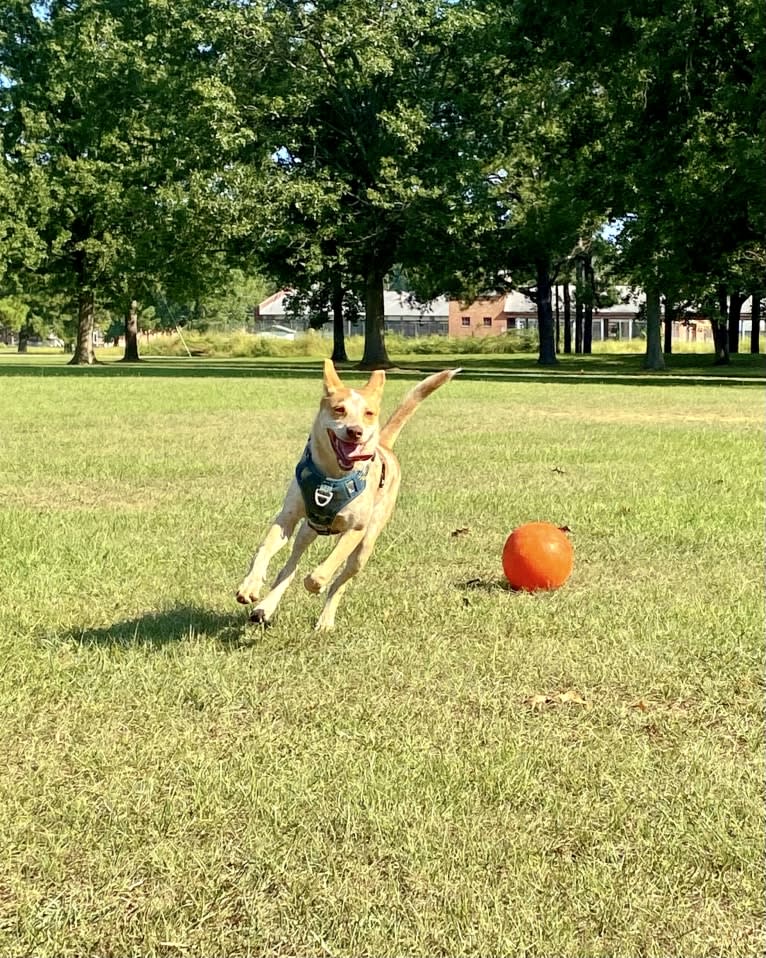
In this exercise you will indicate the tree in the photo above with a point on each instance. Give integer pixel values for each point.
(109, 124)
(365, 154)
(14, 319)
(332, 300)
(688, 141)
(755, 321)
(538, 119)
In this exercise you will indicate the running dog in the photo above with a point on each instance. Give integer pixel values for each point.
(345, 485)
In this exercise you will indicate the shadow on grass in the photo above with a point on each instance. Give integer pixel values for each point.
(626, 369)
(179, 624)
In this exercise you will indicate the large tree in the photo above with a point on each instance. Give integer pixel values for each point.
(361, 145)
(537, 122)
(688, 143)
(109, 118)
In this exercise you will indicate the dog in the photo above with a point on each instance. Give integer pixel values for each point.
(345, 485)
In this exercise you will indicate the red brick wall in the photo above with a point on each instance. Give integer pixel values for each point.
(477, 313)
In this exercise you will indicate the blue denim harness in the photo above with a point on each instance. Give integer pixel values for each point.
(324, 496)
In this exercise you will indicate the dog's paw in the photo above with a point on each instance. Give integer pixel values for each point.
(324, 624)
(247, 595)
(313, 583)
(258, 617)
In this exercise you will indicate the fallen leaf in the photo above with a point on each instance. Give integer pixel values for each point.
(641, 704)
(460, 532)
(558, 471)
(564, 529)
(538, 701)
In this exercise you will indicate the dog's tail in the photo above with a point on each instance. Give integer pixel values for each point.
(390, 432)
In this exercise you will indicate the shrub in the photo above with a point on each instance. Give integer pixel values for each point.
(312, 343)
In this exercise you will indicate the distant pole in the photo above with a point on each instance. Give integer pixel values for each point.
(180, 334)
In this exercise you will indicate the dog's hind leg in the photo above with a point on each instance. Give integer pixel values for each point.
(347, 543)
(276, 538)
(266, 608)
(354, 564)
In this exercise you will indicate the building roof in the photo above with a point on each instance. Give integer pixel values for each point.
(273, 305)
(396, 305)
(630, 301)
(404, 306)
(518, 302)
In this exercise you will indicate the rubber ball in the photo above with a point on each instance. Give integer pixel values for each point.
(537, 555)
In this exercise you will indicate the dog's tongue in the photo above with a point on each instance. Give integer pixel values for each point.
(351, 451)
(348, 452)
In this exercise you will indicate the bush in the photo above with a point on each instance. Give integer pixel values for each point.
(311, 343)
(237, 345)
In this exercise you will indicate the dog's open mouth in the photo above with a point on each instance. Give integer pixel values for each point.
(347, 453)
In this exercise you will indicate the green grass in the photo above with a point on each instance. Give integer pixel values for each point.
(602, 364)
(176, 782)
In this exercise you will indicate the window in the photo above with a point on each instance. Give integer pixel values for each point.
(488, 321)
(465, 321)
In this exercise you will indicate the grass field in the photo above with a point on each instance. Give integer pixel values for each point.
(457, 769)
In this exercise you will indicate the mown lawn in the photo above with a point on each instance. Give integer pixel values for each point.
(457, 769)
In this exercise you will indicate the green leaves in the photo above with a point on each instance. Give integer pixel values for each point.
(148, 145)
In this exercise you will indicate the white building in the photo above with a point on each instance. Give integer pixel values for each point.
(403, 315)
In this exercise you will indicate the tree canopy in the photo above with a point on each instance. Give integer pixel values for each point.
(151, 147)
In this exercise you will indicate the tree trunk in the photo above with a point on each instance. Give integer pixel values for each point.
(579, 270)
(24, 334)
(567, 319)
(735, 310)
(338, 333)
(84, 354)
(720, 332)
(720, 342)
(653, 358)
(723, 300)
(558, 322)
(755, 322)
(131, 334)
(587, 333)
(375, 355)
(545, 324)
(671, 314)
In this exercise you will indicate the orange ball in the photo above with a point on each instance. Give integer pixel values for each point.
(537, 555)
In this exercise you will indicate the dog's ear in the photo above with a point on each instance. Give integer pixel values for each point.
(376, 382)
(331, 379)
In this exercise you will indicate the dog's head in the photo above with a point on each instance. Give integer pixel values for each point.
(350, 417)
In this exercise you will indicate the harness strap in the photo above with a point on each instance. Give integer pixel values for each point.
(324, 496)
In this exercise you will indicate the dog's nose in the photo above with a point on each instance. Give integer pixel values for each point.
(354, 433)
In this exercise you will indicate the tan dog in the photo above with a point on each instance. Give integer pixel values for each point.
(345, 485)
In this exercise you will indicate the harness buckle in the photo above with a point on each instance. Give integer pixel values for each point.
(323, 495)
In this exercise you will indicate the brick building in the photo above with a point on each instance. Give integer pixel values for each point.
(493, 315)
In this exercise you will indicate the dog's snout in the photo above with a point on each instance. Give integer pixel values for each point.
(354, 433)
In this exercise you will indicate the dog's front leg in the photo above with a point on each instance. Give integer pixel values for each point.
(275, 539)
(268, 605)
(347, 542)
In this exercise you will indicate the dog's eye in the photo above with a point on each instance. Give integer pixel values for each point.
(339, 410)
(369, 414)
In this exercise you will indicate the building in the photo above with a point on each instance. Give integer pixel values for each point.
(495, 315)
(506, 312)
(403, 315)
